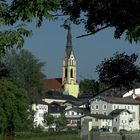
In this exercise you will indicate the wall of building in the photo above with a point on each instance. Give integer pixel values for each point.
(39, 110)
(72, 89)
(101, 110)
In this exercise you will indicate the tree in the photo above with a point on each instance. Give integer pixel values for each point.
(25, 11)
(60, 122)
(49, 120)
(25, 70)
(96, 15)
(14, 107)
(89, 86)
(119, 70)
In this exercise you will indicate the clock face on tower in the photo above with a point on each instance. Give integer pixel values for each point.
(72, 57)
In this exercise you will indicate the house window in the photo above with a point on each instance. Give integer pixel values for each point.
(96, 107)
(128, 107)
(125, 113)
(104, 107)
(125, 121)
(134, 115)
(122, 121)
(72, 113)
(132, 107)
(104, 113)
(96, 120)
(118, 106)
(114, 106)
(96, 112)
(92, 107)
(40, 114)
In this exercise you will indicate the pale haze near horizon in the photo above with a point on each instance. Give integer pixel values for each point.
(49, 41)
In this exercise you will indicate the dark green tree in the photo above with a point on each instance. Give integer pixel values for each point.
(49, 120)
(119, 70)
(14, 107)
(89, 86)
(96, 15)
(25, 70)
(61, 122)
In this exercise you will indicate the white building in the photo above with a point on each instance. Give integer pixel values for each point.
(39, 109)
(97, 121)
(125, 111)
(134, 93)
(74, 115)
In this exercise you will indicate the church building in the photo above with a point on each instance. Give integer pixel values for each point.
(71, 87)
(67, 84)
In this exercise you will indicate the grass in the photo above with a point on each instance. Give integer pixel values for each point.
(58, 137)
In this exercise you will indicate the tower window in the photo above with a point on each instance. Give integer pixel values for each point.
(71, 73)
(66, 73)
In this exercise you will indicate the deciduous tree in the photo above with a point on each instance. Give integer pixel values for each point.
(25, 70)
(119, 70)
(49, 120)
(14, 107)
(96, 15)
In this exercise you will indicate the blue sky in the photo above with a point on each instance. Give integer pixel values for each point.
(48, 44)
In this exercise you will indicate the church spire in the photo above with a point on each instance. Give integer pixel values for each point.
(69, 42)
(69, 38)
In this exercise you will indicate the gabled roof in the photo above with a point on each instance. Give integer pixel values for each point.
(53, 84)
(79, 110)
(117, 112)
(40, 102)
(99, 116)
(118, 100)
(77, 102)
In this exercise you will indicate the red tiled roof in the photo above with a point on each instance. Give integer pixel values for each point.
(54, 84)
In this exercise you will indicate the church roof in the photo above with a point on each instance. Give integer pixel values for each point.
(54, 84)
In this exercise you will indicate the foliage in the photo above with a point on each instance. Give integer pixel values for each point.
(60, 122)
(89, 86)
(3, 70)
(17, 11)
(25, 70)
(48, 120)
(119, 70)
(14, 107)
(96, 15)
(27, 135)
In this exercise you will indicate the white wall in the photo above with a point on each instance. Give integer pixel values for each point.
(39, 110)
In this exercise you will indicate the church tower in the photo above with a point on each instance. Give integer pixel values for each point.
(69, 69)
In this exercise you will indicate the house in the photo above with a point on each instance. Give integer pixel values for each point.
(55, 109)
(134, 93)
(122, 119)
(74, 115)
(97, 121)
(125, 111)
(40, 108)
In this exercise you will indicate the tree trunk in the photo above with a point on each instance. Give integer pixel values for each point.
(10, 136)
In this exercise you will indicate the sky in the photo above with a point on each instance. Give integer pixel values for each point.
(49, 41)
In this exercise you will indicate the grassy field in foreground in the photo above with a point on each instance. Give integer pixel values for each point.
(58, 137)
